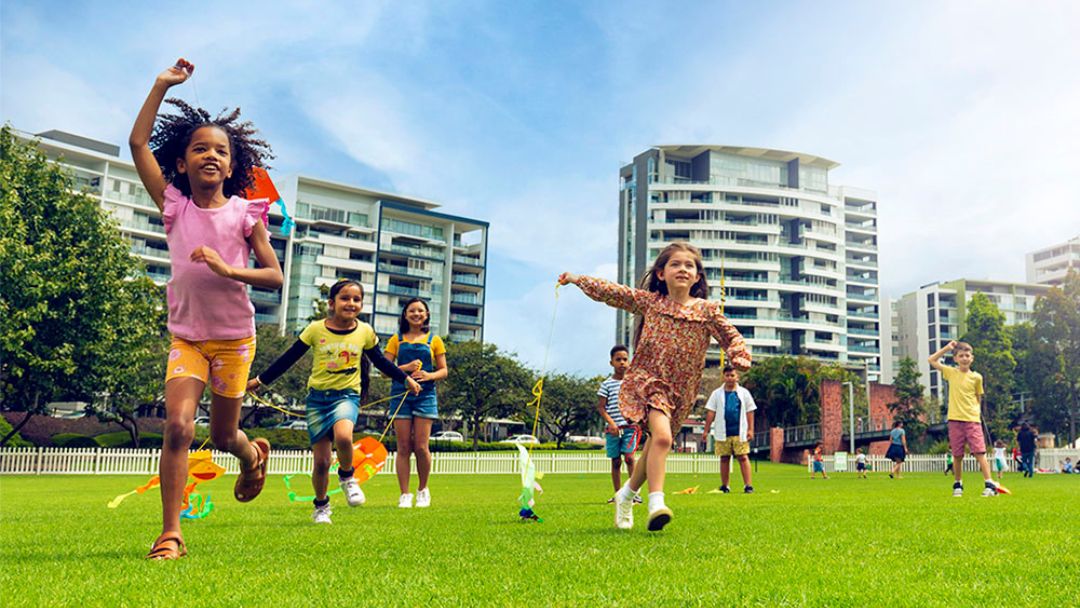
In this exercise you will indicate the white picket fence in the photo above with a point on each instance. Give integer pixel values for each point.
(926, 463)
(88, 461)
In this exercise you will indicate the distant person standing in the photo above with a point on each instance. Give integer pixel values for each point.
(999, 458)
(897, 451)
(948, 462)
(1027, 438)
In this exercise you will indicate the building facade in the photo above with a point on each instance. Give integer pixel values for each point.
(798, 257)
(928, 318)
(1050, 265)
(397, 247)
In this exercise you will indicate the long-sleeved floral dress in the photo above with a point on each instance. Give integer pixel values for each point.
(665, 372)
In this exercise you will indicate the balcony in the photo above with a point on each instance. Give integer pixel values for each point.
(861, 245)
(419, 251)
(863, 349)
(855, 331)
(471, 320)
(468, 260)
(405, 270)
(405, 291)
(465, 298)
(468, 279)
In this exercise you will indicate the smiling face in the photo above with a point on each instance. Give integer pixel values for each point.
(208, 158)
(346, 305)
(417, 315)
(680, 271)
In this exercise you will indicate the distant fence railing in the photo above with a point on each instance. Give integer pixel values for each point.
(1047, 459)
(90, 461)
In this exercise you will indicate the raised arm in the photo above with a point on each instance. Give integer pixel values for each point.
(139, 140)
(633, 300)
(934, 363)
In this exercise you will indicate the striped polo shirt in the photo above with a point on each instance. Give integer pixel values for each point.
(609, 389)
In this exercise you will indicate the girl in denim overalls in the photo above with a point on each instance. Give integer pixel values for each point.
(422, 355)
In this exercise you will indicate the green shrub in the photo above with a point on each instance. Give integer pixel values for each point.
(16, 440)
(122, 439)
(938, 447)
(73, 440)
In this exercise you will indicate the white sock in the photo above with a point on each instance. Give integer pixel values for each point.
(656, 501)
(625, 493)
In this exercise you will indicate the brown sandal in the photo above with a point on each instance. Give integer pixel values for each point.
(161, 551)
(250, 482)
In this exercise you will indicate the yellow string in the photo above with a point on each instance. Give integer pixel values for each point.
(391, 421)
(538, 388)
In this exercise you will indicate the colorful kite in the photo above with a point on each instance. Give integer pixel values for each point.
(529, 487)
(201, 468)
(264, 188)
(369, 457)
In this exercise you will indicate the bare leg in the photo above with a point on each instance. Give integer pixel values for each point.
(421, 434)
(181, 401)
(640, 472)
(656, 465)
(725, 470)
(984, 466)
(403, 431)
(226, 434)
(320, 474)
(958, 467)
(629, 459)
(616, 473)
(343, 433)
(744, 468)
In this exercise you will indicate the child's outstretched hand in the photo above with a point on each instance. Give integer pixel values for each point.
(567, 277)
(177, 73)
(414, 386)
(212, 259)
(253, 385)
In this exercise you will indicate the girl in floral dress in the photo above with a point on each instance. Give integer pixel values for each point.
(674, 324)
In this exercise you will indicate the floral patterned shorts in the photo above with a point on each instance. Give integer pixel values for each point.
(223, 364)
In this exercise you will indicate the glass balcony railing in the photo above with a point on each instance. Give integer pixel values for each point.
(468, 279)
(455, 318)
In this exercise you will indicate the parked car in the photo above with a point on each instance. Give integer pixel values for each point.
(521, 439)
(202, 421)
(296, 425)
(448, 436)
(587, 439)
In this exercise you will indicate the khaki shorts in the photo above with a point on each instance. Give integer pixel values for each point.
(223, 364)
(732, 445)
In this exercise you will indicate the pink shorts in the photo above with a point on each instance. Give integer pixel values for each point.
(963, 432)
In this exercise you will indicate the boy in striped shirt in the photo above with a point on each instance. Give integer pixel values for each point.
(621, 437)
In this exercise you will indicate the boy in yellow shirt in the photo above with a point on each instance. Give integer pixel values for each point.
(965, 413)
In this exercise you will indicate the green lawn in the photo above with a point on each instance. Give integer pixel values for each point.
(841, 542)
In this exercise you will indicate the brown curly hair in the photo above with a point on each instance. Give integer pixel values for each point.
(172, 134)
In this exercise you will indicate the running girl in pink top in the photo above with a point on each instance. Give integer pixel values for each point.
(195, 168)
(675, 323)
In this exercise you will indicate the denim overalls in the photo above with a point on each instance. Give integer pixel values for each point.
(424, 405)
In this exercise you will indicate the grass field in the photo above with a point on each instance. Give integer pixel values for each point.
(841, 542)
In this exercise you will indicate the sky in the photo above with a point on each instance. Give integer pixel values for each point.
(964, 117)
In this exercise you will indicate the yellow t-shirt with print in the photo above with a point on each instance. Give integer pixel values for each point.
(964, 392)
(437, 347)
(337, 354)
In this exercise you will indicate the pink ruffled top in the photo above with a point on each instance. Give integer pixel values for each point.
(202, 304)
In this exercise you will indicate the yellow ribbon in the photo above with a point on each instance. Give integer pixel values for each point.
(538, 388)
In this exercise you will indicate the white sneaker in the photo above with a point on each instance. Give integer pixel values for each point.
(353, 494)
(624, 513)
(321, 515)
(989, 492)
(405, 502)
(423, 498)
(957, 491)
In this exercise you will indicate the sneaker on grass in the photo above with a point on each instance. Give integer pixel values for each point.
(624, 513)
(353, 494)
(405, 502)
(958, 490)
(423, 498)
(748, 490)
(659, 518)
(725, 489)
(321, 515)
(990, 490)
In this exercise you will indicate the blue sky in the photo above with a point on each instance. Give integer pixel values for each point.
(963, 116)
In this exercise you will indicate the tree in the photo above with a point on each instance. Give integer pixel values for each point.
(484, 383)
(994, 360)
(67, 298)
(1052, 368)
(787, 389)
(909, 406)
(568, 405)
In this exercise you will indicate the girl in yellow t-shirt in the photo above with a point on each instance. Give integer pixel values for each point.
(421, 354)
(338, 343)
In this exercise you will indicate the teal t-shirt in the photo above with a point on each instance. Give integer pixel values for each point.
(896, 435)
(732, 409)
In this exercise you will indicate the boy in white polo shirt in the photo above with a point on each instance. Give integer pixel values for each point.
(734, 406)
